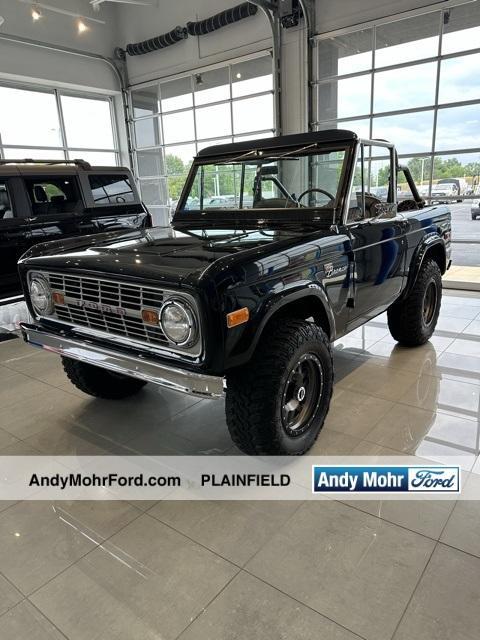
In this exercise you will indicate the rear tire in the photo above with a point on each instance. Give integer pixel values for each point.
(99, 382)
(412, 320)
(277, 404)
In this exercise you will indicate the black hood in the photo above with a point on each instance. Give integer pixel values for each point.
(153, 254)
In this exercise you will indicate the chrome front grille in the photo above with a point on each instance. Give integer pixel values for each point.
(110, 307)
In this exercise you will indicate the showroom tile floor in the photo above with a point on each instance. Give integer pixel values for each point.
(248, 570)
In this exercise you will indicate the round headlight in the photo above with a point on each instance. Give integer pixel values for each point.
(177, 322)
(41, 295)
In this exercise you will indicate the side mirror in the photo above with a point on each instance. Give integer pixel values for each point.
(384, 210)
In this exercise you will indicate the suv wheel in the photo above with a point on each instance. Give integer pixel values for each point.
(99, 382)
(412, 320)
(277, 404)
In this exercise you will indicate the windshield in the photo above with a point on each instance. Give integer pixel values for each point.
(255, 180)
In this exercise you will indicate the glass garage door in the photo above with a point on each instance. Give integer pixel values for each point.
(414, 81)
(174, 119)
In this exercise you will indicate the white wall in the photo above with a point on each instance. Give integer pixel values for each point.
(141, 23)
(22, 62)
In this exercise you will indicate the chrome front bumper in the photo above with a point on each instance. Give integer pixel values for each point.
(195, 384)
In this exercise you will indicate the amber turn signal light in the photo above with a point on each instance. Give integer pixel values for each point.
(150, 317)
(58, 298)
(237, 317)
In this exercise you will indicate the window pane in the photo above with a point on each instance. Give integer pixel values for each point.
(213, 121)
(407, 40)
(95, 158)
(53, 195)
(147, 133)
(461, 28)
(390, 87)
(183, 152)
(457, 128)
(377, 178)
(111, 189)
(29, 118)
(459, 79)
(6, 209)
(160, 216)
(261, 106)
(210, 143)
(211, 86)
(88, 123)
(178, 127)
(145, 101)
(360, 127)
(253, 76)
(410, 132)
(254, 136)
(33, 154)
(150, 163)
(345, 54)
(176, 94)
(154, 192)
(463, 166)
(344, 98)
(420, 168)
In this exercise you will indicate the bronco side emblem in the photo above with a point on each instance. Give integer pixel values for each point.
(330, 270)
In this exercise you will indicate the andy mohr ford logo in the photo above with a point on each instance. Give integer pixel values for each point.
(385, 479)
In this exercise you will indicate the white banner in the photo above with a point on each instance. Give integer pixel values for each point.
(235, 478)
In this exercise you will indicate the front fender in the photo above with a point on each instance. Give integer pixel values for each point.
(250, 338)
(425, 247)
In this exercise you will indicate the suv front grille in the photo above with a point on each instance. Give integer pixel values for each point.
(111, 307)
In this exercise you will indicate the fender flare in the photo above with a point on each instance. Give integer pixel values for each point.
(419, 257)
(273, 306)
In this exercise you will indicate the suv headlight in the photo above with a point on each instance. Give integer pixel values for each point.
(40, 294)
(178, 322)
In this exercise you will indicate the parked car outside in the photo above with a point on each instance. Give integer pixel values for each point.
(443, 190)
(475, 204)
(52, 200)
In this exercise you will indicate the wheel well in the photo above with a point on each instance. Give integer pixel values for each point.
(437, 253)
(303, 309)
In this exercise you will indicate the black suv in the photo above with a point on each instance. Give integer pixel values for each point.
(51, 200)
(247, 294)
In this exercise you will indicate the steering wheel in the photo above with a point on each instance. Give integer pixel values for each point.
(315, 189)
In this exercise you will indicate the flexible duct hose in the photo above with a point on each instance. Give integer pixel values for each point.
(222, 19)
(159, 42)
(200, 28)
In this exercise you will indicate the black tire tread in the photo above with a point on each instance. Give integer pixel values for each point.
(98, 382)
(252, 389)
(405, 316)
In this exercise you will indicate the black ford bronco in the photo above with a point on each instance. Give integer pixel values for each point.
(279, 247)
(43, 200)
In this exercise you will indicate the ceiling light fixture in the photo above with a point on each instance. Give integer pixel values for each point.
(36, 13)
(41, 7)
(81, 26)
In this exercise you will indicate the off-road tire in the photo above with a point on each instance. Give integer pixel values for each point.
(99, 382)
(406, 318)
(255, 392)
